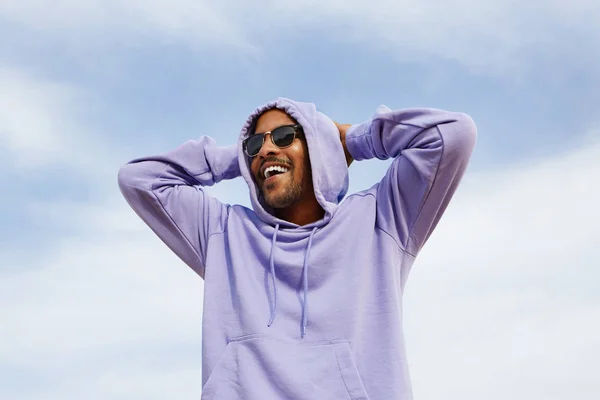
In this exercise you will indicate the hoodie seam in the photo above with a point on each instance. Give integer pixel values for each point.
(426, 196)
(217, 178)
(219, 232)
(187, 240)
(408, 124)
(400, 247)
(339, 368)
(410, 232)
(395, 241)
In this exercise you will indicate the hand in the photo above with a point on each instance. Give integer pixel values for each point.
(343, 128)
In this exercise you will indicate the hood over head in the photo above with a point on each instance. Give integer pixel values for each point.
(327, 159)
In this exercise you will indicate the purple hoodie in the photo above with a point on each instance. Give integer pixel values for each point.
(315, 311)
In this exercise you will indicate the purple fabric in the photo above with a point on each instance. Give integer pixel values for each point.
(346, 285)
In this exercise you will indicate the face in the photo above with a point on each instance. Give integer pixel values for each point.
(284, 189)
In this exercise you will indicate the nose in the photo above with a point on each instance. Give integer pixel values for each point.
(268, 148)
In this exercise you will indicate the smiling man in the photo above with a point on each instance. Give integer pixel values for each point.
(303, 292)
(282, 172)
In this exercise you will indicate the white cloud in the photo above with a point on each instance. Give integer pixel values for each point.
(32, 123)
(186, 20)
(491, 36)
(112, 309)
(40, 122)
(501, 304)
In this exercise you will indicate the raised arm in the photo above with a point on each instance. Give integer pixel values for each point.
(431, 149)
(166, 191)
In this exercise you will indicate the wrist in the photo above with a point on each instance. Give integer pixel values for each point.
(343, 129)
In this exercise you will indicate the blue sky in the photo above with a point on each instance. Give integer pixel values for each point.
(502, 302)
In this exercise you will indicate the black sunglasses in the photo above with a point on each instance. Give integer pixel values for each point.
(281, 137)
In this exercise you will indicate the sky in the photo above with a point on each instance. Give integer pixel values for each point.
(504, 300)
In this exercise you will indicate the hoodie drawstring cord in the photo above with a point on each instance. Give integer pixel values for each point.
(272, 265)
(305, 282)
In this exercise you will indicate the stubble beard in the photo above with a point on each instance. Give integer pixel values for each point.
(290, 195)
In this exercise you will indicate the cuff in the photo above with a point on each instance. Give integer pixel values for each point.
(358, 141)
(228, 165)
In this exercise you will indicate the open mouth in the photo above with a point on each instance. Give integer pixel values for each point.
(274, 170)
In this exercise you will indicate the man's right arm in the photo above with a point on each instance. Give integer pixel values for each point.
(167, 192)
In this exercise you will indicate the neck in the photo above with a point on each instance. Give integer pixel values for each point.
(303, 212)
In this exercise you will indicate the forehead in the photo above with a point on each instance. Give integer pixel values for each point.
(271, 119)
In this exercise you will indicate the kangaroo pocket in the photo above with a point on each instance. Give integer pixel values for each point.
(257, 367)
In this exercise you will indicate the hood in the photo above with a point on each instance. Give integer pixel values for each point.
(328, 163)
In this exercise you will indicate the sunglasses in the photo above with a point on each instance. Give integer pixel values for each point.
(281, 137)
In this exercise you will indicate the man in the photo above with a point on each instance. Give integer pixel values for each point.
(303, 293)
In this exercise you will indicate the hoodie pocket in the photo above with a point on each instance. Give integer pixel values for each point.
(258, 367)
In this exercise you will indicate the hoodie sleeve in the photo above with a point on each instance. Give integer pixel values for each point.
(431, 149)
(167, 192)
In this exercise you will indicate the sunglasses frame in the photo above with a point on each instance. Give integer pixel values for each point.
(297, 132)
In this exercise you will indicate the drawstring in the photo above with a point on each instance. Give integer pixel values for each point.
(272, 265)
(304, 279)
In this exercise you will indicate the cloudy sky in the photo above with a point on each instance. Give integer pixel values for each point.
(504, 301)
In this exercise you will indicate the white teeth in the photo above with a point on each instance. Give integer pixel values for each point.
(269, 170)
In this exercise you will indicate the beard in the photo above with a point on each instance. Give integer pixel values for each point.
(286, 196)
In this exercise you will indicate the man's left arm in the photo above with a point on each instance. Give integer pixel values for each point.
(431, 149)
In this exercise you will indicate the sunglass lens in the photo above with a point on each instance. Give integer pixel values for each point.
(254, 144)
(283, 136)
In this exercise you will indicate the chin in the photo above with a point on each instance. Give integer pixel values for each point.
(280, 200)
(275, 202)
(283, 196)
